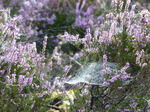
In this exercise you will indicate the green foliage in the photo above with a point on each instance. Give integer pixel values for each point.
(117, 94)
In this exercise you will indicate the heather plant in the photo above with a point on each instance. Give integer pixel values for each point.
(26, 78)
(38, 16)
(114, 49)
(86, 18)
(100, 77)
(49, 17)
(120, 31)
(123, 37)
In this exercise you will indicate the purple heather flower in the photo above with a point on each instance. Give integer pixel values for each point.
(81, 21)
(30, 81)
(42, 94)
(133, 105)
(77, 56)
(127, 110)
(118, 110)
(103, 72)
(125, 77)
(47, 85)
(114, 78)
(2, 72)
(56, 41)
(20, 88)
(107, 106)
(28, 73)
(25, 81)
(88, 36)
(83, 110)
(100, 18)
(144, 64)
(104, 58)
(88, 102)
(42, 76)
(59, 61)
(8, 80)
(106, 83)
(67, 68)
(13, 77)
(36, 86)
(20, 79)
(77, 8)
(24, 95)
(119, 88)
(84, 92)
(83, 4)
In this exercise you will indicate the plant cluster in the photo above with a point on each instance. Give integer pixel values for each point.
(25, 78)
(107, 68)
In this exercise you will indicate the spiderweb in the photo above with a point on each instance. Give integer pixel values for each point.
(90, 74)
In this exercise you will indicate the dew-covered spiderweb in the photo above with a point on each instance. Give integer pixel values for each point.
(90, 74)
